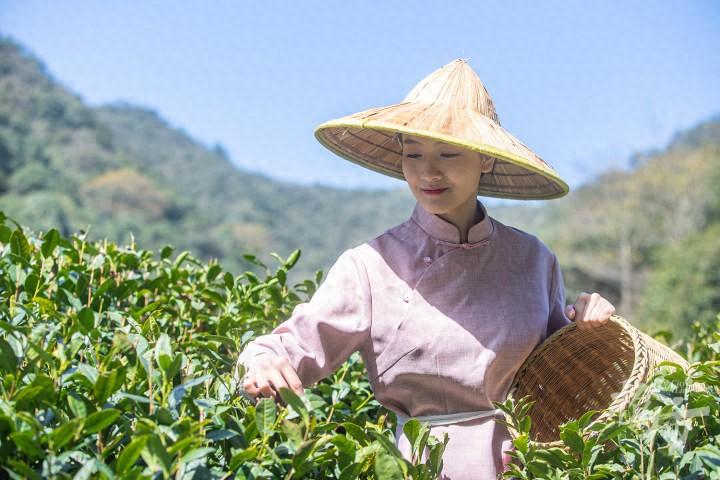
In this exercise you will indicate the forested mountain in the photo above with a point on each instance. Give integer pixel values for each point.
(121, 168)
(647, 238)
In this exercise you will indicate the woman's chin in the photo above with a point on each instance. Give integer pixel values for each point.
(435, 206)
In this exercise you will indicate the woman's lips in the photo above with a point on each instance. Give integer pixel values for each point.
(435, 191)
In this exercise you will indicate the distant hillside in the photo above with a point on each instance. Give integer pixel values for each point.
(619, 233)
(122, 169)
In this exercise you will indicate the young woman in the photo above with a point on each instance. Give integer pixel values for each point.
(445, 307)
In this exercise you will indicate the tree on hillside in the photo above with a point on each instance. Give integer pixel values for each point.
(618, 224)
(685, 286)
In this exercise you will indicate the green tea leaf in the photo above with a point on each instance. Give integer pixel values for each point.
(32, 282)
(5, 233)
(219, 435)
(179, 392)
(587, 418)
(28, 444)
(130, 454)
(387, 467)
(106, 385)
(292, 259)
(303, 452)
(552, 456)
(228, 280)
(243, 456)
(46, 306)
(86, 319)
(166, 251)
(196, 454)
(8, 360)
(163, 352)
(213, 272)
(611, 431)
(66, 432)
(296, 403)
(572, 439)
(31, 394)
(51, 240)
(101, 420)
(356, 432)
(156, 456)
(21, 471)
(180, 259)
(590, 453)
(77, 405)
(88, 372)
(344, 445)
(19, 244)
(265, 416)
(391, 448)
(352, 472)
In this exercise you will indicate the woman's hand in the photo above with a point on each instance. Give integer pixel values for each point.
(268, 374)
(590, 310)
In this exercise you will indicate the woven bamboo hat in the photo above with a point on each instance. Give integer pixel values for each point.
(450, 105)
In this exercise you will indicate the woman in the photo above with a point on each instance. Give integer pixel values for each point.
(445, 307)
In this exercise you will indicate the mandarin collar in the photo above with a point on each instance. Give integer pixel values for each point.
(444, 231)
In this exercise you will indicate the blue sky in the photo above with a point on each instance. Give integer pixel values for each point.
(583, 83)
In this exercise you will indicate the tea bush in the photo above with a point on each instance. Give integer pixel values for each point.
(118, 363)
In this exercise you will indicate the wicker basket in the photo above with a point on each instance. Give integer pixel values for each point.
(576, 370)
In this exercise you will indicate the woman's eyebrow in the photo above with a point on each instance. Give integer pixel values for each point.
(409, 141)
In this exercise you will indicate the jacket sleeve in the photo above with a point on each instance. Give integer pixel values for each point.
(557, 318)
(323, 332)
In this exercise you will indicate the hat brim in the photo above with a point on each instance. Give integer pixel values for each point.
(369, 142)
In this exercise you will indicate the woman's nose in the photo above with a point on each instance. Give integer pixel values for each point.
(431, 171)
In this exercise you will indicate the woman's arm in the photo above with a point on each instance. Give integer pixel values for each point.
(318, 337)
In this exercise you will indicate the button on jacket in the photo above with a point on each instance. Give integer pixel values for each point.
(442, 326)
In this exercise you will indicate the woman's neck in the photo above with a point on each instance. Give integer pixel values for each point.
(464, 218)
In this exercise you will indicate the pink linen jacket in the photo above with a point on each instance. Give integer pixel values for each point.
(442, 326)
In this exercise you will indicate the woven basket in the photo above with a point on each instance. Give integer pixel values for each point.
(576, 370)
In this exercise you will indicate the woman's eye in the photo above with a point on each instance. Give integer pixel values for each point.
(449, 155)
(413, 155)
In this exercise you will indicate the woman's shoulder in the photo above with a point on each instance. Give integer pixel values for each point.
(395, 242)
(401, 233)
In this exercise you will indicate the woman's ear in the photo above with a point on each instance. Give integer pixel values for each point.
(486, 163)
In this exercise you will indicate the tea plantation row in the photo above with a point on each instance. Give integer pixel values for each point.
(117, 362)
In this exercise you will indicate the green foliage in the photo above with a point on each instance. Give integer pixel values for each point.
(670, 430)
(685, 287)
(116, 362)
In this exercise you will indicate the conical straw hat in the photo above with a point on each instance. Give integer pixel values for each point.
(450, 105)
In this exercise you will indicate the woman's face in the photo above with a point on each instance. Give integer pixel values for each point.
(443, 178)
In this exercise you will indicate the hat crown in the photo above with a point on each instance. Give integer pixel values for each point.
(452, 106)
(455, 85)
